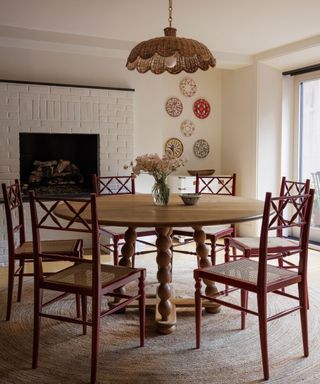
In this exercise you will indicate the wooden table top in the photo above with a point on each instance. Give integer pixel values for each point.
(139, 211)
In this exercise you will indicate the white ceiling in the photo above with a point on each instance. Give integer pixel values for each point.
(234, 30)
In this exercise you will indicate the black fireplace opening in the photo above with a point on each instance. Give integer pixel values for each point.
(58, 163)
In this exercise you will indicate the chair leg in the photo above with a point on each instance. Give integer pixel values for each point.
(226, 250)
(262, 310)
(213, 253)
(133, 258)
(84, 313)
(308, 303)
(95, 338)
(234, 249)
(10, 287)
(226, 257)
(303, 299)
(280, 264)
(38, 295)
(20, 280)
(78, 306)
(142, 310)
(234, 253)
(115, 251)
(244, 304)
(198, 306)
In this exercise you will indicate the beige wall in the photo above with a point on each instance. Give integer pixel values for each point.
(269, 103)
(239, 134)
(287, 123)
(252, 131)
(252, 135)
(239, 130)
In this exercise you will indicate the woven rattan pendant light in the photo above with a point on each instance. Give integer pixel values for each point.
(170, 53)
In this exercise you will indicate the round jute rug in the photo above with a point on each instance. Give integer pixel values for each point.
(227, 354)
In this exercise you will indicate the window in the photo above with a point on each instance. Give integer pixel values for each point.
(307, 160)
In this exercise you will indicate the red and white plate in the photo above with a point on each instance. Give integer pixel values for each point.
(201, 108)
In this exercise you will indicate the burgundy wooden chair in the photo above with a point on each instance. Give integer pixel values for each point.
(213, 185)
(88, 278)
(280, 245)
(119, 185)
(262, 278)
(20, 250)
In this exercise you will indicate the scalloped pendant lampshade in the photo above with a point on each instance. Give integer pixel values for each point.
(170, 53)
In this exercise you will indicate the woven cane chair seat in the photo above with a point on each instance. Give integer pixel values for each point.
(50, 246)
(273, 242)
(81, 275)
(247, 270)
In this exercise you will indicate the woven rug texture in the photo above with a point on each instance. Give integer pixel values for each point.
(227, 354)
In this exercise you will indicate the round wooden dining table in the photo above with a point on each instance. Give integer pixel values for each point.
(138, 210)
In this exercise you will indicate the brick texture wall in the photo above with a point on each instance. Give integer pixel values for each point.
(63, 109)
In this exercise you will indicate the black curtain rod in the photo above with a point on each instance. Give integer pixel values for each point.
(300, 71)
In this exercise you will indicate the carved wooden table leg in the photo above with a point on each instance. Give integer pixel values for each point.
(165, 311)
(127, 252)
(199, 237)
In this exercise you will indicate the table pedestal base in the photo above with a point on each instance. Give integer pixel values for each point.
(169, 326)
(164, 303)
(166, 326)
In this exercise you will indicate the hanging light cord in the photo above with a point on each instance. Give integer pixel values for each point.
(170, 13)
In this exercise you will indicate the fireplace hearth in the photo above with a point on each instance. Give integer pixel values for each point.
(58, 164)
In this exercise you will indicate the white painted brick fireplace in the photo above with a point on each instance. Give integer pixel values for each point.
(40, 108)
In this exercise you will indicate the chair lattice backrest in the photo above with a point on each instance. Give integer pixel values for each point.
(216, 185)
(76, 215)
(113, 185)
(281, 213)
(14, 214)
(292, 188)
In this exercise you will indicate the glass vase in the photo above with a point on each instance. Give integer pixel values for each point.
(160, 192)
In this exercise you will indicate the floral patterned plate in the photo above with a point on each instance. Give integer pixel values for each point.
(188, 87)
(187, 127)
(173, 148)
(201, 148)
(174, 106)
(201, 108)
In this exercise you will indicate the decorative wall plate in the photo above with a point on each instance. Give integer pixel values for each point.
(173, 148)
(188, 87)
(201, 108)
(174, 106)
(201, 148)
(187, 127)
